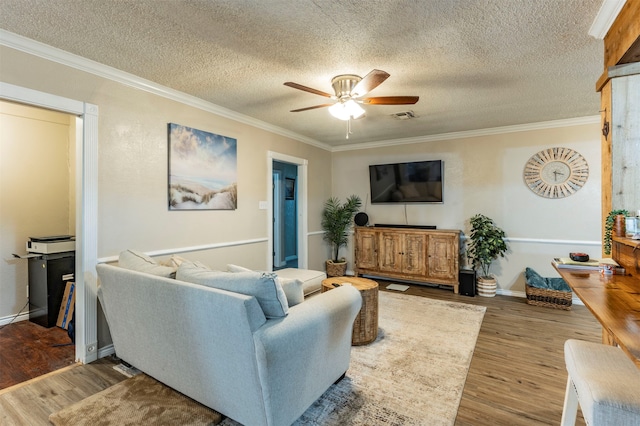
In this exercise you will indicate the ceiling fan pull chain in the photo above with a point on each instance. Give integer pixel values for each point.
(348, 127)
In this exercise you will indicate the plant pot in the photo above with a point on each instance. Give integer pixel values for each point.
(336, 269)
(619, 225)
(486, 287)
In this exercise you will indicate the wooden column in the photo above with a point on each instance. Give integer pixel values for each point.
(621, 46)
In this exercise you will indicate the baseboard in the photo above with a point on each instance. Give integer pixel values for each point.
(574, 300)
(106, 351)
(10, 318)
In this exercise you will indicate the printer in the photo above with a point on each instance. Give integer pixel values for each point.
(50, 245)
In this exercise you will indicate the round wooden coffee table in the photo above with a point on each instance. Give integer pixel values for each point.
(365, 327)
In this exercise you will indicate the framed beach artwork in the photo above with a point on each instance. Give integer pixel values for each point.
(203, 170)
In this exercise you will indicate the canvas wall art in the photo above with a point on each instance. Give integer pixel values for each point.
(203, 170)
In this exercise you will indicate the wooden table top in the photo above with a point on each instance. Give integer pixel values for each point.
(615, 302)
(359, 283)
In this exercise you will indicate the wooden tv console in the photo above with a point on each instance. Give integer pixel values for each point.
(412, 254)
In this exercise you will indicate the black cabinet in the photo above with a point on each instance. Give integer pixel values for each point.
(48, 275)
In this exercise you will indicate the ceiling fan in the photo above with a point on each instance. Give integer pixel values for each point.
(349, 91)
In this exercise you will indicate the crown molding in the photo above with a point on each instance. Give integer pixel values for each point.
(604, 19)
(579, 121)
(53, 54)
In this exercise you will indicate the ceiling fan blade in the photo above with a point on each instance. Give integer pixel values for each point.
(391, 100)
(370, 82)
(307, 89)
(311, 107)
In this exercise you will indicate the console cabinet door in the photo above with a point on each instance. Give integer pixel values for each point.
(391, 249)
(366, 249)
(442, 257)
(413, 257)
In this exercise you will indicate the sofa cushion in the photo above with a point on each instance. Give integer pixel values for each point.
(265, 287)
(293, 287)
(174, 261)
(138, 261)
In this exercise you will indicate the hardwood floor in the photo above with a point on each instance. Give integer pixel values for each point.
(30, 403)
(28, 350)
(517, 374)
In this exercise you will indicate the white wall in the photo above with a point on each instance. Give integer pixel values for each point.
(483, 174)
(133, 162)
(36, 191)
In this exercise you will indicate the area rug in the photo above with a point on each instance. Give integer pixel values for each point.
(136, 401)
(412, 374)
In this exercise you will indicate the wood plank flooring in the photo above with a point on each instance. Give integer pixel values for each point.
(30, 403)
(28, 350)
(517, 374)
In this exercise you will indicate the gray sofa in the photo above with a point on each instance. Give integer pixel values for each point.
(219, 348)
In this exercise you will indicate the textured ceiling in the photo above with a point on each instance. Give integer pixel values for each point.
(475, 64)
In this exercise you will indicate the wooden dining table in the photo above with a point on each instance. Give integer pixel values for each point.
(615, 302)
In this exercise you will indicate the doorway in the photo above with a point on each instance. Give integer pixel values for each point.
(285, 221)
(86, 207)
(287, 217)
(37, 150)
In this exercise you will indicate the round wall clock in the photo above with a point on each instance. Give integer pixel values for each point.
(556, 172)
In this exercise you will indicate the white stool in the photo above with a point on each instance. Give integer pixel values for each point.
(604, 381)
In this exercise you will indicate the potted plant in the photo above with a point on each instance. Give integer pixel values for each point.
(615, 217)
(487, 243)
(337, 217)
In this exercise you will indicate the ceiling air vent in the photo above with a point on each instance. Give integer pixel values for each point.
(404, 115)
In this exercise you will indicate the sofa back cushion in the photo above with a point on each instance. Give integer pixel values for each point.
(138, 261)
(265, 287)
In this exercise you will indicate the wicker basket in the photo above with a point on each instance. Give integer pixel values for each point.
(336, 269)
(548, 298)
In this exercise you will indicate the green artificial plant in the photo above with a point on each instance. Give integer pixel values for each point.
(487, 243)
(608, 228)
(337, 217)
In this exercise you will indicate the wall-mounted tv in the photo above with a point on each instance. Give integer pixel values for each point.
(412, 182)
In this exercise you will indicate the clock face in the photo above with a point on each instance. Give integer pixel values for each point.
(556, 172)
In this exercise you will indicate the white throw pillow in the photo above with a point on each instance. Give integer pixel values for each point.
(174, 261)
(292, 287)
(265, 287)
(138, 261)
(293, 290)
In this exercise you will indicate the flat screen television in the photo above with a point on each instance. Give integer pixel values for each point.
(412, 182)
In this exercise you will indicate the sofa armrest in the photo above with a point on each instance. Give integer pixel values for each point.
(301, 355)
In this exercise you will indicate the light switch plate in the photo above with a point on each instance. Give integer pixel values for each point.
(262, 205)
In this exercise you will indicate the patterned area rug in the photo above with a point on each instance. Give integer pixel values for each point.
(412, 374)
(139, 400)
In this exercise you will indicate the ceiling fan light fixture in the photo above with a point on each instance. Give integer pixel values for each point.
(346, 110)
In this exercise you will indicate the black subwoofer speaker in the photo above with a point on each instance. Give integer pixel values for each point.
(361, 219)
(467, 278)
